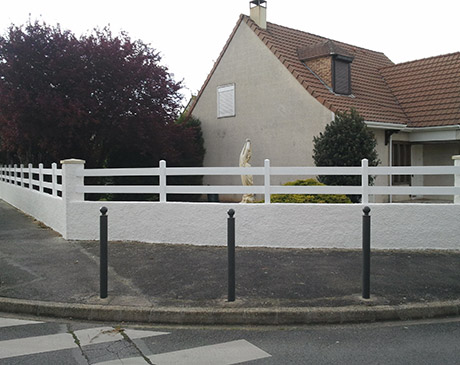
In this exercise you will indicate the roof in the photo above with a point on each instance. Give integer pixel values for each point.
(416, 94)
(370, 94)
(428, 90)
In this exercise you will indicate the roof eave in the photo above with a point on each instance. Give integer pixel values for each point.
(383, 125)
(406, 128)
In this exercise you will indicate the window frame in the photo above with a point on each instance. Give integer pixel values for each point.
(226, 101)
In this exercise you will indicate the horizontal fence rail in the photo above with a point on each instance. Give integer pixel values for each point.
(163, 189)
(49, 180)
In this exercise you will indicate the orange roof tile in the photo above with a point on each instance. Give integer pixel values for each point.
(428, 90)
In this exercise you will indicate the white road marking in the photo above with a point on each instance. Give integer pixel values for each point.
(127, 361)
(133, 334)
(36, 345)
(10, 322)
(221, 354)
(93, 336)
(227, 353)
(63, 341)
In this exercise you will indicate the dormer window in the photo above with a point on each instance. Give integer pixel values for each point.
(330, 63)
(341, 74)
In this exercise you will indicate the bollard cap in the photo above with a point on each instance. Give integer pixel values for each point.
(366, 210)
(231, 213)
(103, 210)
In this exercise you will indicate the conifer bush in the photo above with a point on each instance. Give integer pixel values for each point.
(345, 142)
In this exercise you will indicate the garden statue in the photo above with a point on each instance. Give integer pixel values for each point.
(247, 180)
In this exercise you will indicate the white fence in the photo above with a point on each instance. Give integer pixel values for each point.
(41, 179)
(56, 197)
(23, 177)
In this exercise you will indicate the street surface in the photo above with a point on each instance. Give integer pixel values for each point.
(46, 341)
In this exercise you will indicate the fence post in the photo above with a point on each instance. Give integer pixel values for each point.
(14, 174)
(73, 179)
(162, 182)
(54, 178)
(366, 252)
(267, 183)
(103, 237)
(365, 181)
(31, 185)
(231, 254)
(21, 166)
(456, 159)
(72, 191)
(40, 177)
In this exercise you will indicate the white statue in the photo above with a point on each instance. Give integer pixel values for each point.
(247, 180)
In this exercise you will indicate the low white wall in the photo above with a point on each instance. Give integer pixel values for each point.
(44, 207)
(394, 226)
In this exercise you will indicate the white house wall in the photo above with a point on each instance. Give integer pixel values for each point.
(272, 109)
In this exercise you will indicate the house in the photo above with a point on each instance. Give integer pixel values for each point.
(279, 87)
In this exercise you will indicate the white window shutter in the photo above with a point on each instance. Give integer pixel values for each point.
(226, 101)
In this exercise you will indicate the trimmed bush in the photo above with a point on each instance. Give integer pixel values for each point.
(306, 198)
(345, 142)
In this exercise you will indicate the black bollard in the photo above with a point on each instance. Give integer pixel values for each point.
(231, 254)
(366, 253)
(103, 253)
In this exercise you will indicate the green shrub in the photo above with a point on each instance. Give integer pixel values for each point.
(345, 142)
(306, 198)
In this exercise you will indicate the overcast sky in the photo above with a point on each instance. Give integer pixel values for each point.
(190, 34)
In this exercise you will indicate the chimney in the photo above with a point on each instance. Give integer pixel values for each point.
(258, 13)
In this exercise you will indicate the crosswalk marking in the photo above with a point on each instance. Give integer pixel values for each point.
(92, 336)
(227, 353)
(35, 345)
(63, 341)
(10, 322)
(127, 361)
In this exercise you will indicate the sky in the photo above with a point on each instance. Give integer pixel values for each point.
(191, 34)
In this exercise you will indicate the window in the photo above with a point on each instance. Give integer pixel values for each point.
(401, 157)
(226, 101)
(341, 75)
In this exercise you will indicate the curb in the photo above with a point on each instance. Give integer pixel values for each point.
(231, 316)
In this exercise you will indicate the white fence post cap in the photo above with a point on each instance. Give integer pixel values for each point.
(456, 157)
(72, 161)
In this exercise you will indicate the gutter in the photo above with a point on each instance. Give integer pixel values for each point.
(405, 128)
(380, 125)
(434, 129)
